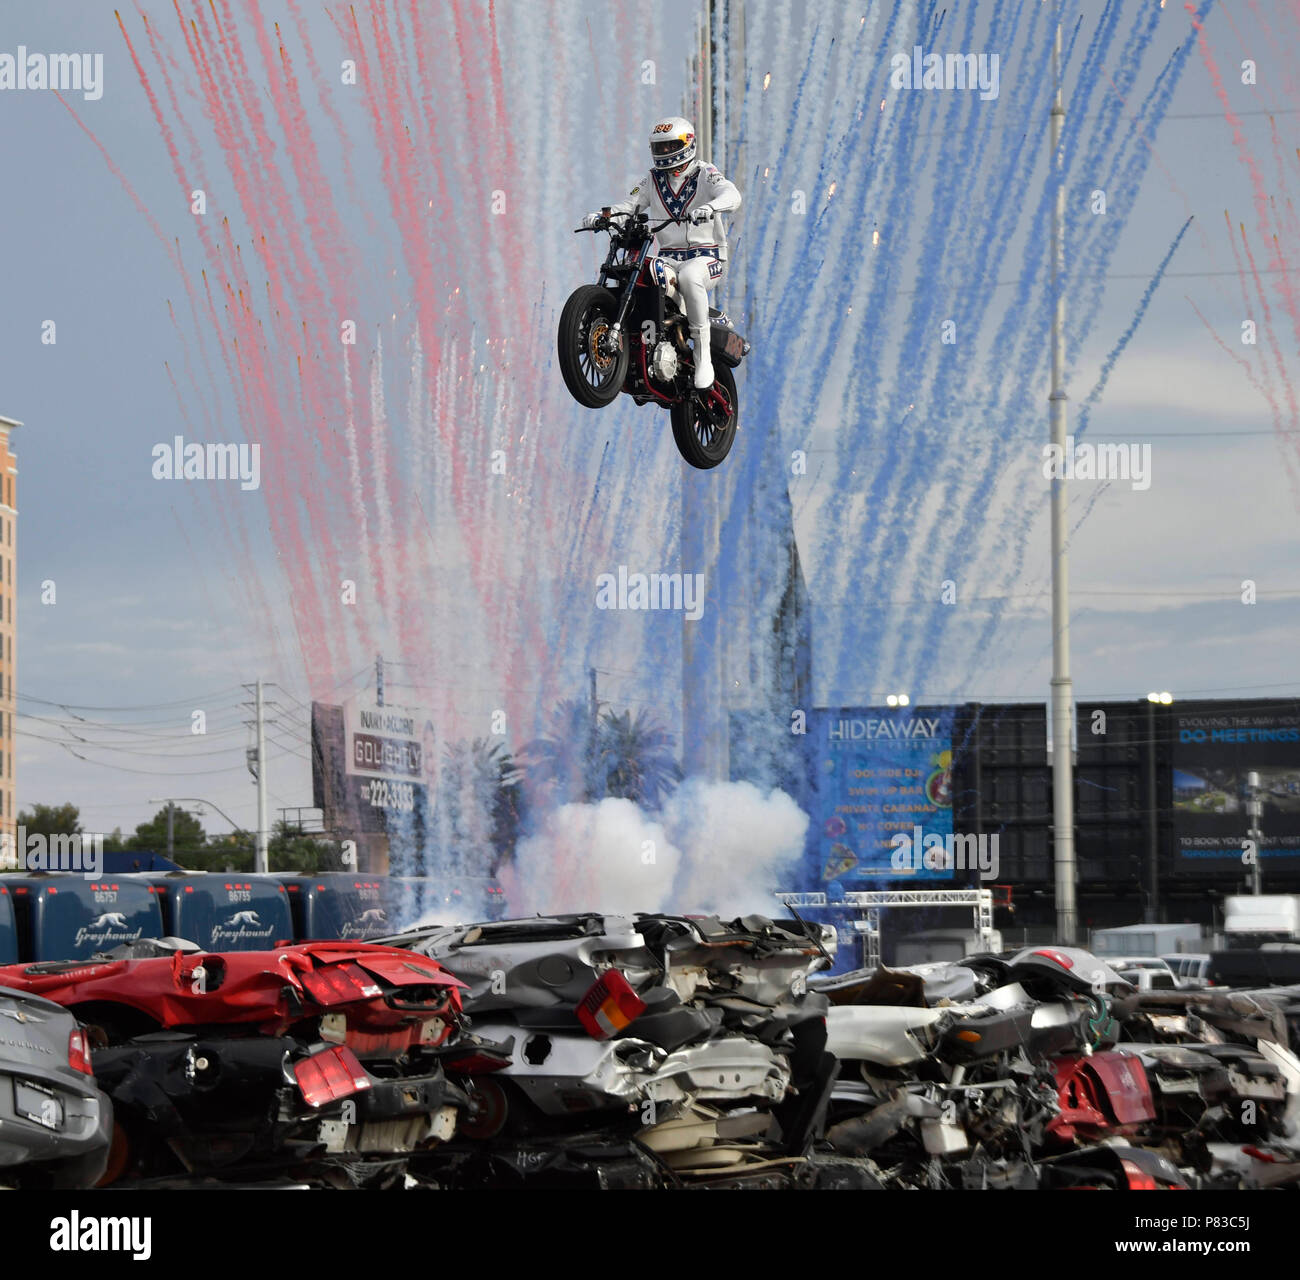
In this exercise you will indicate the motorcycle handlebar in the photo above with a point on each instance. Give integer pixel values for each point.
(604, 223)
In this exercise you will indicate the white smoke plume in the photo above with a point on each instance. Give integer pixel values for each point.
(739, 847)
(720, 848)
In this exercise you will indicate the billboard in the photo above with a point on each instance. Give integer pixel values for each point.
(391, 767)
(1215, 746)
(375, 768)
(880, 773)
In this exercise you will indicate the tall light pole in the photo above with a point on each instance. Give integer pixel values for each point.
(1153, 831)
(1255, 812)
(705, 749)
(1067, 915)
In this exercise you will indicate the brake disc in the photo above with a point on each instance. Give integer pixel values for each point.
(595, 348)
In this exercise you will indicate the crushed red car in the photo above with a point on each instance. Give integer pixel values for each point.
(1102, 1094)
(254, 1061)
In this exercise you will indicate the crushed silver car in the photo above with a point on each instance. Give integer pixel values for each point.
(55, 1124)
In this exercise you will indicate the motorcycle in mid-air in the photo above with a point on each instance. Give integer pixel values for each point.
(626, 334)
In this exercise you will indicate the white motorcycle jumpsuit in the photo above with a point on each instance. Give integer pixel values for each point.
(692, 260)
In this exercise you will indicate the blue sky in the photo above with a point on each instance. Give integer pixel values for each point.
(149, 622)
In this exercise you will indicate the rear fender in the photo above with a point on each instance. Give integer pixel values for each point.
(727, 345)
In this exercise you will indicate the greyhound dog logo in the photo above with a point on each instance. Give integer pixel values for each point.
(109, 920)
(374, 915)
(241, 918)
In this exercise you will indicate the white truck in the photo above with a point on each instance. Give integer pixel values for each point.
(1262, 932)
(1146, 940)
(1250, 920)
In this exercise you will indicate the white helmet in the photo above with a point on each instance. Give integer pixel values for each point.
(672, 144)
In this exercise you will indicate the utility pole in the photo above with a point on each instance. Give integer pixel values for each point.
(1062, 687)
(1153, 846)
(171, 844)
(260, 861)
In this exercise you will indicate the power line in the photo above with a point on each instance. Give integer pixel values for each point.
(148, 706)
(181, 733)
(152, 773)
(105, 746)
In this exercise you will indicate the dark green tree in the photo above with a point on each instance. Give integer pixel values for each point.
(187, 832)
(51, 819)
(230, 851)
(636, 757)
(291, 849)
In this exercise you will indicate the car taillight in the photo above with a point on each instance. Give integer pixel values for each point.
(1138, 1178)
(609, 1006)
(332, 1074)
(339, 984)
(79, 1052)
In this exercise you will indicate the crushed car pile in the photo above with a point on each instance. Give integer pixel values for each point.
(1048, 1069)
(642, 1051)
(324, 1056)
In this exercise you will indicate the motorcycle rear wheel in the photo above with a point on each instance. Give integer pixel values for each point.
(703, 437)
(594, 378)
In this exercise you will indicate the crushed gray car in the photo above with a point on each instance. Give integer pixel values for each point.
(55, 1123)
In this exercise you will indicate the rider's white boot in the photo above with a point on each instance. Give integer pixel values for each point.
(703, 358)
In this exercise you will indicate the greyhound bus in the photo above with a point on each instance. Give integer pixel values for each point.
(349, 906)
(62, 916)
(223, 911)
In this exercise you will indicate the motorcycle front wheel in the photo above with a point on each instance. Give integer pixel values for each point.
(593, 375)
(704, 425)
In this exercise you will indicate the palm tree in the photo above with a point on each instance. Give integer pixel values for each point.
(584, 760)
(483, 792)
(636, 756)
(565, 757)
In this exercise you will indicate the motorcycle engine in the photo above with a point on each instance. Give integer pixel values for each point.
(663, 362)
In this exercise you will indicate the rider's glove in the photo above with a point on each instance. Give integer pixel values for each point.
(590, 221)
(703, 214)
